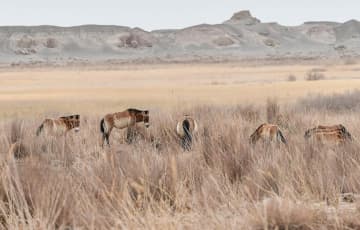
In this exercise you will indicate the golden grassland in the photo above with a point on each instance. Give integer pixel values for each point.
(163, 86)
(222, 183)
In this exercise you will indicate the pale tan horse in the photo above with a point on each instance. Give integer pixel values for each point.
(335, 134)
(121, 120)
(59, 126)
(185, 129)
(267, 133)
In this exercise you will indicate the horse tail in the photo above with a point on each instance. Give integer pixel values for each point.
(102, 126)
(38, 131)
(281, 137)
(187, 138)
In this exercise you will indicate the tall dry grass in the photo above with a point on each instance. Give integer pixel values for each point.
(223, 183)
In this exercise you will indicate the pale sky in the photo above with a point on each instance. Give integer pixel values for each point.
(162, 14)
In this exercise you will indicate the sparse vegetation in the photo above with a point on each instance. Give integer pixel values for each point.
(291, 77)
(314, 75)
(26, 42)
(223, 41)
(133, 40)
(340, 48)
(350, 61)
(269, 42)
(218, 83)
(349, 101)
(51, 43)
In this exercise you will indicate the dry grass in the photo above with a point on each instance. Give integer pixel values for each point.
(345, 102)
(222, 183)
(314, 75)
(39, 91)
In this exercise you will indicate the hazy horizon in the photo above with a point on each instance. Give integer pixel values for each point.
(161, 14)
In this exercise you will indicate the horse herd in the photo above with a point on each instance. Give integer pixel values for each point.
(186, 128)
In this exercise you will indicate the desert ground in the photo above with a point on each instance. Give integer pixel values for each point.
(221, 183)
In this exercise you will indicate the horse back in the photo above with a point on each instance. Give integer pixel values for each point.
(69, 122)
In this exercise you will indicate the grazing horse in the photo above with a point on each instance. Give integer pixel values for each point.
(59, 126)
(336, 134)
(121, 120)
(185, 129)
(269, 133)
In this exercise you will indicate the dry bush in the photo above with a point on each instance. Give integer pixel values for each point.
(314, 75)
(51, 43)
(291, 77)
(26, 42)
(350, 61)
(223, 41)
(133, 40)
(269, 42)
(222, 183)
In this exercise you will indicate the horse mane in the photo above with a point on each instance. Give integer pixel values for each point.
(256, 133)
(75, 116)
(132, 110)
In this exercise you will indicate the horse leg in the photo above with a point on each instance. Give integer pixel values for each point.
(130, 135)
(107, 137)
(63, 147)
(103, 139)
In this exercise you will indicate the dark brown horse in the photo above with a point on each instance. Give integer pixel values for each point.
(121, 120)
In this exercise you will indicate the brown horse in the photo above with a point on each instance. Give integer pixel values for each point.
(59, 126)
(268, 133)
(336, 134)
(121, 120)
(185, 129)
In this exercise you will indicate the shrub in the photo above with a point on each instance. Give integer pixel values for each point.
(314, 75)
(26, 42)
(291, 77)
(51, 43)
(350, 61)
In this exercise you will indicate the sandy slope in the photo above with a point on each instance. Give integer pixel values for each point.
(241, 37)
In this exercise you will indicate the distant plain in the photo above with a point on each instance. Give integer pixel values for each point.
(26, 92)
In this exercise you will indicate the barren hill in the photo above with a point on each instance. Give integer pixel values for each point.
(241, 37)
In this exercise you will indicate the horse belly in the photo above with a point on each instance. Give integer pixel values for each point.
(121, 123)
(59, 129)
